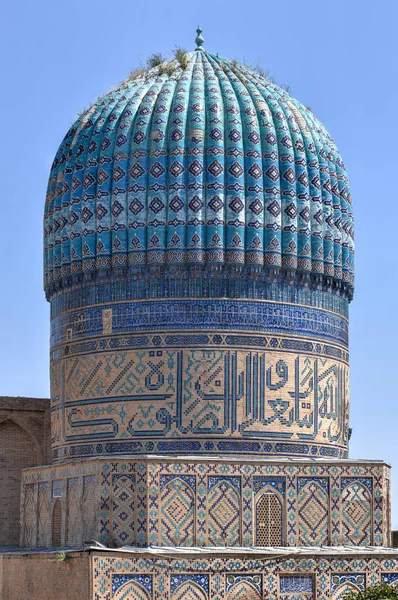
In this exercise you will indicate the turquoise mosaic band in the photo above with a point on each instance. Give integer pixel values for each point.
(203, 315)
(201, 283)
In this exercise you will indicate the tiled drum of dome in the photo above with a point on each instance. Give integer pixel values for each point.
(292, 396)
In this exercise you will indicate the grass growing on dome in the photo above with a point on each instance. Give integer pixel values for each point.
(136, 72)
(155, 60)
(181, 56)
(158, 64)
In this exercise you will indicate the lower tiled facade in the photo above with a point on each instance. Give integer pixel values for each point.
(239, 576)
(191, 502)
(196, 574)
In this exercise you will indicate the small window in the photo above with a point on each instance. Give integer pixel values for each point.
(68, 335)
(269, 520)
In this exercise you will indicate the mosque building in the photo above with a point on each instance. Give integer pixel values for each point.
(199, 265)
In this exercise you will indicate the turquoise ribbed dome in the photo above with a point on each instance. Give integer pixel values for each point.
(206, 167)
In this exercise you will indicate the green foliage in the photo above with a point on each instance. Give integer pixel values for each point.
(180, 54)
(154, 60)
(163, 68)
(61, 557)
(378, 592)
(170, 69)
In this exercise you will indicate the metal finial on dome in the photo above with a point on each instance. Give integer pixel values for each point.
(199, 39)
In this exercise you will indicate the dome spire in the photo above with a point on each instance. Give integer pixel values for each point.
(199, 39)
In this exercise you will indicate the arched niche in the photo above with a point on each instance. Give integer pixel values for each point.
(73, 521)
(313, 515)
(224, 515)
(44, 516)
(131, 590)
(189, 591)
(18, 451)
(243, 591)
(356, 515)
(339, 592)
(269, 521)
(56, 524)
(177, 514)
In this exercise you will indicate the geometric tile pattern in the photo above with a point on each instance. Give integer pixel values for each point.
(123, 508)
(144, 581)
(291, 577)
(57, 524)
(177, 168)
(189, 591)
(88, 508)
(131, 590)
(243, 587)
(313, 512)
(356, 579)
(243, 591)
(184, 501)
(177, 501)
(195, 586)
(29, 516)
(43, 516)
(340, 592)
(356, 512)
(73, 529)
(254, 580)
(224, 512)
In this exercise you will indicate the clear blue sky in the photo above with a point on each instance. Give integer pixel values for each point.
(339, 57)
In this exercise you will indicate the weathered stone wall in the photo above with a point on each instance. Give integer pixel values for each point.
(25, 441)
(43, 577)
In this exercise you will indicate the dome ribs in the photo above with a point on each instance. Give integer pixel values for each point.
(71, 199)
(253, 173)
(114, 214)
(195, 175)
(214, 164)
(178, 169)
(234, 170)
(273, 215)
(139, 176)
(158, 169)
(196, 168)
(97, 181)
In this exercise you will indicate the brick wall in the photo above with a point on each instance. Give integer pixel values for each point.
(21, 576)
(25, 440)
